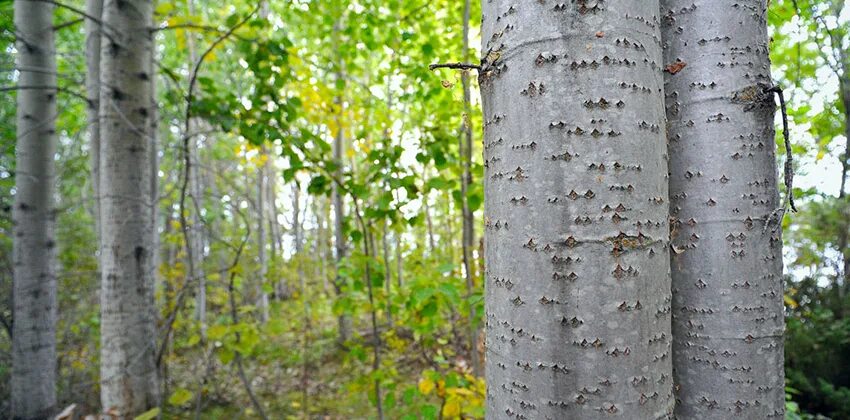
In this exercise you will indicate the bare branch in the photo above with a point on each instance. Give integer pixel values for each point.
(456, 66)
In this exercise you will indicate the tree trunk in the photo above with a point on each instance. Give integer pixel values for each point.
(196, 230)
(33, 379)
(388, 275)
(466, 180)
(128, 374)
(261, 239)
(93, 36)
(726, 264)
(843, 238)
(345, 325)
(578, 284)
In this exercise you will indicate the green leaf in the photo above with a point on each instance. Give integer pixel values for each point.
(446, 268)
(318, 185)
(150, 414)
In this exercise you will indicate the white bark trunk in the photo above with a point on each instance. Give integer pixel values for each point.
(128, 375)
(261, 240)
(94, 8)
(727, 268)
(576, 231)
(33, 380)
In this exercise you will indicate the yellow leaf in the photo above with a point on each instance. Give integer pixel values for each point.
(451, 409)
(216, 332)
(164, 8)
(179, 397)
(790, 302)
(426, 386)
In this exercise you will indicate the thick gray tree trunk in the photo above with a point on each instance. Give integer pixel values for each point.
(576, 231)
(128, 374)
(34, 270)
(727, 267)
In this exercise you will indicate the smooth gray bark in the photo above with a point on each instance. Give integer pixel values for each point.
(727, 267)
(345, 324)
(129, 382)
(33, 380)
(263, 297)
(94, 8)
(576, 230)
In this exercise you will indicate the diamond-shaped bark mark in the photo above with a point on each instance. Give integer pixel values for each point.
(620, 272)
(589, 6)
(602, 103)
(546, 301)
(519, 174)
(519, 200)
(749, 339)
(573, 195)
(531, 245)
(711, 202)
(580, 400)
(566, 156)
(517, 301)
(574, 322)
(700, 284)
(559, 260)
(571, 242)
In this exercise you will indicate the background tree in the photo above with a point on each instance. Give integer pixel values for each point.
(33, 331)
(129, 384)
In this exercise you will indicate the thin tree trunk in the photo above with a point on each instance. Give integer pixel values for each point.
(129, 382)
(298, 228)
(344, 320)
(196, 230)
(261, 239)
(33, 379)
(576, 239)
(726, 264)
(398, 262)
(388, 276)
(465, 182)
(844, 235)
(154, 168)
(429, 224)
(274, 230)
(93, 36)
